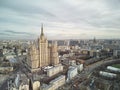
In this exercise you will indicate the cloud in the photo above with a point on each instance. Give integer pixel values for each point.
(4, 34)
(65, 18)
(7, 34)
(24, 8)
(15, 32)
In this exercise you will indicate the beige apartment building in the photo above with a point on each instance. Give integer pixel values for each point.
(41, 53)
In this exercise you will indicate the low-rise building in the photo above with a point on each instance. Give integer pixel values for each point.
(72, 72)
(72, 62)
(54, 84)
(21, 82)
(116, 53)
(80, 67)
(10, 55)
(23, 87)
(47, 87)
(57, 82)
(1, 54)
(6, 69)
(36, 85)
(54, 70)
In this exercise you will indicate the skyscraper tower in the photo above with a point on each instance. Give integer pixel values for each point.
(43, 49)
(94, 40)
(41, 53)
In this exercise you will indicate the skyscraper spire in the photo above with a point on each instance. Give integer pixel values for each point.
(94, 40)
(42, 30)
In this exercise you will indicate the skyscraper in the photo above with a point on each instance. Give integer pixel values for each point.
(41, 53)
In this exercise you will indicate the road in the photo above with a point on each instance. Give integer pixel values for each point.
(12, 75)
(4, 86)
(79, 78)
(86, 74)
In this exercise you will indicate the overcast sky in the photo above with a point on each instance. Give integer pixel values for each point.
(62, 19)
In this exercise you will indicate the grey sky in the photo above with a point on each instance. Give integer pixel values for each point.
(62, 19)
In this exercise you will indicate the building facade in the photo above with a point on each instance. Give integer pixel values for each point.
(41, 53)
(54, 70)
(72, 72)
(55, 83)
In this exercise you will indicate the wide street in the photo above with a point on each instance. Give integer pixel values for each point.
(86, 73)
(20, 68)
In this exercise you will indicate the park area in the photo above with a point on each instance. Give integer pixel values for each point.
(116, 65)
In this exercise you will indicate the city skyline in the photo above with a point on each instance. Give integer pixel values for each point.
(63, 19)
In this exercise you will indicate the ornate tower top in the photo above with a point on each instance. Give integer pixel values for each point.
(42, 37)
(94, 40)
(42, 30)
